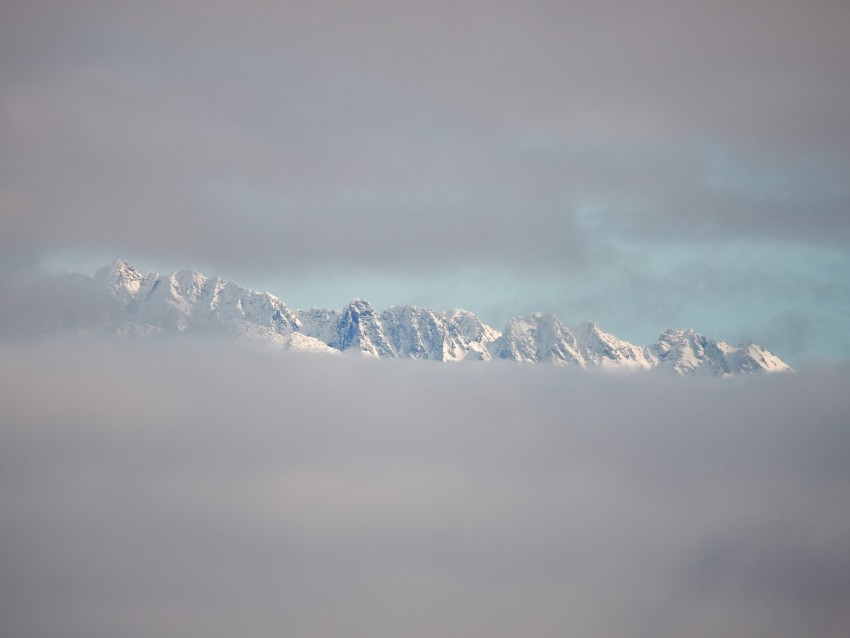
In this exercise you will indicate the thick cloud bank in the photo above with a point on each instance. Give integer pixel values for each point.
(192, 492)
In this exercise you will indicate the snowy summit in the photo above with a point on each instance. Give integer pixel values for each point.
(186, 300)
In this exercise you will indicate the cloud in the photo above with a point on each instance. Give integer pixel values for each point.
(35, 306)
(203, 491)
(304, 135)
(573, 153)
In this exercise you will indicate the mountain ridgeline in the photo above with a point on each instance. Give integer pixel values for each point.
(186, 300)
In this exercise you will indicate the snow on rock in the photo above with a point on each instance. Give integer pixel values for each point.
(687, 352)
(302, 343)
(422, 333)
(359, 328)
(418, 333)
(321, 324)
(468, 336)
(186, 300)
(121, 280)
(752, 357)
(600, 349)
(538, 337)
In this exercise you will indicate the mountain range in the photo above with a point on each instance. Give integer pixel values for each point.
(188, 302)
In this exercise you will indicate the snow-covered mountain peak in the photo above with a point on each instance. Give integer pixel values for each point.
(189, 284)
(188, 300)
(685, 351)
(588, 328)
(360, 328)
(423, 333)
(117, 268)
(674, 335)
(190, 278)
(120, 278)
(752, 357)
(602, 349)
(538, 337)
(118, 265)
(359, 306)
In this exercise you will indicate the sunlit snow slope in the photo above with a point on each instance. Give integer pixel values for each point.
(187, 301)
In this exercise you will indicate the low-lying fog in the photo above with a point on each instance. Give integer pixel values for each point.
(182, 490)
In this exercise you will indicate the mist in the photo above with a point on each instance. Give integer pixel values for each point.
(644, 166)
(184, 490)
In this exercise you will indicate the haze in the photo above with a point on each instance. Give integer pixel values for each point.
(672, 164)
(203, 491)
(645, 166)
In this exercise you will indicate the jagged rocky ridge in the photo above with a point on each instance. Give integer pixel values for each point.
(186, 300)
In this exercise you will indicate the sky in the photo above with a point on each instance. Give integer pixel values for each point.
(185, 490)
(642, 165)
(645, 165)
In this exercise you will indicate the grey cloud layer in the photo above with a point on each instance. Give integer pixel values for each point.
(192, 493)
(187, 491)
(390, 135)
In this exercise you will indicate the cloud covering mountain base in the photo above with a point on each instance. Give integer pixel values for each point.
(121, 300)
(175, 490)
